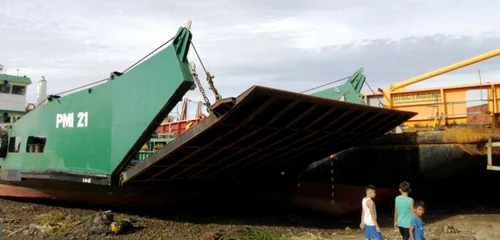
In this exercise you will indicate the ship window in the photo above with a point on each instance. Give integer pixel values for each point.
(35, 144)
(16, 118)
(14, 144)
(4, 89)
(5, 118)
(18, 90)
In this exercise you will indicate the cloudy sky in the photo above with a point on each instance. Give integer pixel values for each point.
(293, 45)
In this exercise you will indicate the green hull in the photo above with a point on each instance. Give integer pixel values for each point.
(94, 133)
(86, 141)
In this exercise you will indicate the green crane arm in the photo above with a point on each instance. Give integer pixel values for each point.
(350, 91)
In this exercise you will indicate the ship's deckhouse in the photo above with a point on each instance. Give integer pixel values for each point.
(13, 97)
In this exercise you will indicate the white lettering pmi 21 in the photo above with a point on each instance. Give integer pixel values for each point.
(67, 120)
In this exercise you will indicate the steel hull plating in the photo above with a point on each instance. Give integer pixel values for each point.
(386, 166)
(264, 129)
(434, 163)
(98, 195)
(175, 195)
(336, 199)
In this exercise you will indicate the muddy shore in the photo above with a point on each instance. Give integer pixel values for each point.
(27, 220)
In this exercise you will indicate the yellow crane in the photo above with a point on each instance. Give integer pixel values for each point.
(400, 85)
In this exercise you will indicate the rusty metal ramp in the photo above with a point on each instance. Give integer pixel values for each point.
(264, 127)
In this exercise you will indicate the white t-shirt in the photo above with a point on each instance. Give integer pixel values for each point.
(367, 216)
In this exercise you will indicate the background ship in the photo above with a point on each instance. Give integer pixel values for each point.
(443, 149)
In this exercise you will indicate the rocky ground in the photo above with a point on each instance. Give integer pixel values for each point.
(23, 220)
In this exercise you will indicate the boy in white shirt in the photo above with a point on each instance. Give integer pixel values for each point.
(369, 215)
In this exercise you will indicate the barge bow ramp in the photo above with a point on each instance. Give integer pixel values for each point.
(261, 130)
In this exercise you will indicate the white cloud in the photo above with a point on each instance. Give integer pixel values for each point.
(292, 45)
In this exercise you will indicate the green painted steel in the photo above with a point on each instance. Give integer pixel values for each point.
(15, 79)
(141, 155)
(95, 130)
(348, 92)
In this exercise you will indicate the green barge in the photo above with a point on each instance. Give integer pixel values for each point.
(80, 147)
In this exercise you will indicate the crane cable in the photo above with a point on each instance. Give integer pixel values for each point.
(105, 79)
(209, 80)
(209, 76)
(342, 79)
(326, 84)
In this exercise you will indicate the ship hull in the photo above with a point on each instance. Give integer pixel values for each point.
(423, 165)
(335, 199)
(99, 195)
(188, 193)
(434, 163)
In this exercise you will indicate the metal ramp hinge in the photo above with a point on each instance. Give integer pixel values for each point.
(489, 147)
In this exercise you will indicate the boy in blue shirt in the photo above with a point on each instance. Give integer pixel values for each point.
(403, 210)
(416, 224)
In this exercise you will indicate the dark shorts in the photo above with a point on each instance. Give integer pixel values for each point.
(371, 233)
(405, 232)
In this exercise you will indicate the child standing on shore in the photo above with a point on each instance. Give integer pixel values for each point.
(369, 215)
(403, 210)
(416, 224)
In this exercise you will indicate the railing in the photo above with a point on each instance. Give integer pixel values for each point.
(141, 155)
(163, 139)
(489, 147)
(449, 105)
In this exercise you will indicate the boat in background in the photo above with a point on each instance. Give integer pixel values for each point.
(13, 96)
(171, 128)
(449, 146)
